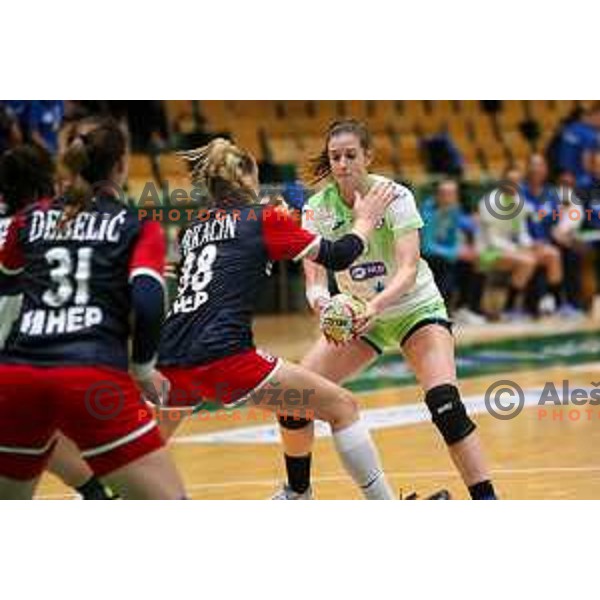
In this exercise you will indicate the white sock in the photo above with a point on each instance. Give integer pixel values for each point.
(361, 459)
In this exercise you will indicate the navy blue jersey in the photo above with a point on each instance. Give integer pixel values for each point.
(225, 260)
(75, 281)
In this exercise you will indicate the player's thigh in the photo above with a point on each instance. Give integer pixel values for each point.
(515, 259)
(184, 399)
(430, 353)
(338, 363)
(295, 390)
(27, 423)
(151, 477)
(102, 412)
(169, 420)
(546, 254)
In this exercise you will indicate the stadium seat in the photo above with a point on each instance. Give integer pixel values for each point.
(139, 166)
(284, 150)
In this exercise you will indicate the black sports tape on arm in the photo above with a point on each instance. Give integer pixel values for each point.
(9, 281)
(6, 283)
(339, 255)
(148, 304)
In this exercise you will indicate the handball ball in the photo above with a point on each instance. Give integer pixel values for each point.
(339, 316)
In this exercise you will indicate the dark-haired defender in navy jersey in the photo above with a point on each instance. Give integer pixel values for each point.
(27, 173)
(207, 349)
(86, 265)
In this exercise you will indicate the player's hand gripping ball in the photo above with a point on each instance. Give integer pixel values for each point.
(340, 316)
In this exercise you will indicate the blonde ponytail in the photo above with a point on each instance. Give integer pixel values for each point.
(221, 167)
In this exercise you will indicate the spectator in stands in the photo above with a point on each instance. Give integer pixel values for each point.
(578, 231)
(447, 252)
(541, 198)
(20, 111)
(75, 110)
(148, 128)
(491, 106)
(442, 155)
(10, 132)
(542, 206)
(564, 235)
(589, 183)
(573, 214)
(504, 243)
(578, 140)
(470, 278)
(44, 121)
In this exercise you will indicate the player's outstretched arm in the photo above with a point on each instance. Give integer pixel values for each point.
(369, 210)
(315, 281)
(285, 239)
(148, 307)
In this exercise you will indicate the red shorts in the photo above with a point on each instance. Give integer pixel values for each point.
(98, 408)
(230, 380)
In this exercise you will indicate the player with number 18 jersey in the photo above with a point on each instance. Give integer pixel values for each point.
(207, 348)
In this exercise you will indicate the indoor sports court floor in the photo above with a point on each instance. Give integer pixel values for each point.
(536, 455)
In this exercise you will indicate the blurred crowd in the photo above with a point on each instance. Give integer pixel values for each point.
(532, 237)
(41, 122)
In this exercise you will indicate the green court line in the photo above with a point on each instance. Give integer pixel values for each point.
(485, 358)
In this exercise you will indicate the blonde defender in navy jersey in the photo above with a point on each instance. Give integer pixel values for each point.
(207, 348)
(404, 308)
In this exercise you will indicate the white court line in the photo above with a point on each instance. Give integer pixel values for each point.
(393, 475)
(398, 475)
(409, 414)
(374, 418)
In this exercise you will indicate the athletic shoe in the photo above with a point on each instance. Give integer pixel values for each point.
(568, 311)
(287, 493)
(464, 316)
(515, 316)
(439, 495)
(547, 305)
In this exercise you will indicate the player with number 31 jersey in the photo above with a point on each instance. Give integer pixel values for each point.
(91, 276)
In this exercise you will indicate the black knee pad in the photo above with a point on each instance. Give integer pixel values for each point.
(448, 413)
(293, 423)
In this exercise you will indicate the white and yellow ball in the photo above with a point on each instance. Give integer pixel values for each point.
(339, 317)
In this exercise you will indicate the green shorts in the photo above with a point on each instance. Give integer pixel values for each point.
(488, 258)
(391, 332)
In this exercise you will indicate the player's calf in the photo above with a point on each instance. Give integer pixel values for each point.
(456, 427)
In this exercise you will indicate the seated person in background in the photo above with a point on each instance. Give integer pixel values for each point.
(442, 155)
(569, 222)
(588, 184)
(470, 278)
(444, 248)
(504, 243)
(542, 205)
(578, 140)
(10, 132)
(578, 230)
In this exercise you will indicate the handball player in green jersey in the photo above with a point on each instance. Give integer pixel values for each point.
(404, 309)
